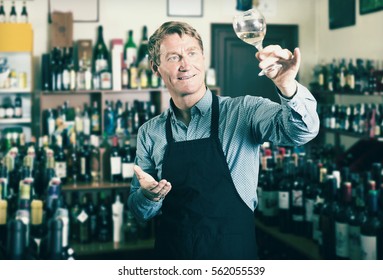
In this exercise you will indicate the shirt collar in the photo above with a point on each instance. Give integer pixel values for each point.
(202, 106)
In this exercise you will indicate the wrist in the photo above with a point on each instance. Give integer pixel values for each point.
(288, 90)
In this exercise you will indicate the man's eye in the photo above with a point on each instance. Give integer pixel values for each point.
(173, 58)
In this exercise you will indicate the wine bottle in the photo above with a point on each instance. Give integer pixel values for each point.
(117, 211)
(37, 227)
(85, 162)
(2, 13)
(84, 221)
(101, 61)
(327, 219)
(297, 199)
(95, 161)
(115, 161)
(355, 222)
(127, 162)
(52, 245)
(109, 119)
(3, 224)
(284, 211)
(344, 214)
(16, 235)
(18, 112)
(13, 14)
(270, 195)
(95, 125)
(130, 50)
(60, 161)
(92, 212)
(104, 219)
(371, 230)
(24, 13)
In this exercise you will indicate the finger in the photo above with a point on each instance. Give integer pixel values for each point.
(139, 172)
(268, 51)
(297, 57)
(156, 189)
(284, 54)
(267, 62)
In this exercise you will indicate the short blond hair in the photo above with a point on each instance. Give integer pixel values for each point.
(169, 28)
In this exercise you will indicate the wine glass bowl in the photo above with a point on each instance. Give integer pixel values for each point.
(250, 27)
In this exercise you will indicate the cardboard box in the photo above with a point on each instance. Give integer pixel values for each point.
(61, 29)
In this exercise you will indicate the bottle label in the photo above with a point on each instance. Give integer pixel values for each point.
(82, 217)
(115, 165)
(86, 123)
(83, 166)
(354, 246)
(127, 170)
(341, 239)
(101, 64)
(368, 245)
(60, 168)
(297, 198)
(131, 56)
(106, 80)
(284, 200)
(309, 206)
(66, 79)
(270, 203)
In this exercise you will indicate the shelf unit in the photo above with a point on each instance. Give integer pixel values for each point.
(16, 46)
(341, 138)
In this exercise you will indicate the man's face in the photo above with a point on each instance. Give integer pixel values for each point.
(182, 65)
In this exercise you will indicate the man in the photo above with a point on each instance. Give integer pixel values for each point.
(197, 163)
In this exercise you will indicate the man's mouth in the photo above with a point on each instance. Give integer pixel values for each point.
(186, 77)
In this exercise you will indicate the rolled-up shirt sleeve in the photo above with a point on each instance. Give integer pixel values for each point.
(294, 122)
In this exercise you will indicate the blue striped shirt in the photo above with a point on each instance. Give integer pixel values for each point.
(244, 124)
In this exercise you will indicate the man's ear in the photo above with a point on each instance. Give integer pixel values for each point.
(154, 67)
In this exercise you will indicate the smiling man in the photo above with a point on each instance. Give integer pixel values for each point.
(197, 163)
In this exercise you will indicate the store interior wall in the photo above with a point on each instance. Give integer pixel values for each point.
(317, 41)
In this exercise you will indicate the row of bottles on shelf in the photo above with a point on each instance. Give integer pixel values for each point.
(118, 120)
(362, 118)
(43, 226)
(121, 67)
(13, 16)
(362, 77)
(9, 110)
(309, 195)
(10, 78)
(85, 159)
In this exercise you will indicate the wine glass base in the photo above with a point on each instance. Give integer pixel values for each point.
(269, 69)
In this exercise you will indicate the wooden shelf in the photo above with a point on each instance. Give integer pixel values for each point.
(95, 186)
(97, 248)
(15, 90)
(302, 245)
(16, 121)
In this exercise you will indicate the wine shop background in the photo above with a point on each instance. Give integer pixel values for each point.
(317, 41)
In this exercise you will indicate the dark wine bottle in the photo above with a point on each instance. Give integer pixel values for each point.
(104, 219)
(284, 211)
(127, 162)
(371, 230)
(16, 240)
(115, 162)
(101, 62)
(297, 199)
(344, 214)
(327, 219)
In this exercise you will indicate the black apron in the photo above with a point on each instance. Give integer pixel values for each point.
(203, 216)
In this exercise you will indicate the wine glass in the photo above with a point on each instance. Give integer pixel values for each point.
(250, 27)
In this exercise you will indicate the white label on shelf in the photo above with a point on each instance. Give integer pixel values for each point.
(368, 244)
(115, 165)
(284, 200)
(60, 168)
